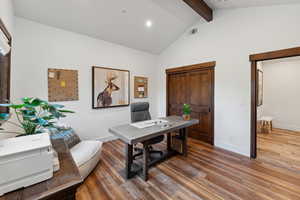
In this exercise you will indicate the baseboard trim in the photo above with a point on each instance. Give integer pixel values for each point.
(286, 126)
(232, 148)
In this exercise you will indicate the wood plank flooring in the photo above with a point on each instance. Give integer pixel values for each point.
(207, 173)
(280, 148)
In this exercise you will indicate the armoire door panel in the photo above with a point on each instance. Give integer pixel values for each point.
(200, 89)
(201, 102)
(177, 93)
(194, 88)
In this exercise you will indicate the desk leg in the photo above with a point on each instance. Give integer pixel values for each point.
(169, 142)
(183, 133)
(129, 160)
(145, 163)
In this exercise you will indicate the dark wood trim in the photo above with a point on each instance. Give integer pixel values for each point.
(189, 68)
(284, 53)
(272, 55)
(9, 37)
(145, 162)
(213, 106)
(253, 107)
(129, 160)
(167, 93)
(5, 31)
(201, 8)
(93, 87)
(201, 66)
(184, 137)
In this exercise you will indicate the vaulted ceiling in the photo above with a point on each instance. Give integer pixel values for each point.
(124, 21)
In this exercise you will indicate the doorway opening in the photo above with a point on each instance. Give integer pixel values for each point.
(261, 122)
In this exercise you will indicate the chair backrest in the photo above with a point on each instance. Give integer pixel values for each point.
(140, 112)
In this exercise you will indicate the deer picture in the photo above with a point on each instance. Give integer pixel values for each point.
(104, 99)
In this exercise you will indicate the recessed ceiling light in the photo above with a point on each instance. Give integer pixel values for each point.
(148, 23)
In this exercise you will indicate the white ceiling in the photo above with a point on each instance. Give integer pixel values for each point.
(104, 19)
(123, 21)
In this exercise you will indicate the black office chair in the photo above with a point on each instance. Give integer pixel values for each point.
(140, 112)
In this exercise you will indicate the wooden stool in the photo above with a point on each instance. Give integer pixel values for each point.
(265, 124)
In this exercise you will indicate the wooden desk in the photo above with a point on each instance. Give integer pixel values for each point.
(62, 186)
(132, 135)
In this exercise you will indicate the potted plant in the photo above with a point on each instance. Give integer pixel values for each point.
(186, 112)
(33, 115)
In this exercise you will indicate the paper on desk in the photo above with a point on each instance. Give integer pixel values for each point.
(148, 123)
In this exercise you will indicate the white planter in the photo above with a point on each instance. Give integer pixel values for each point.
(25, 161)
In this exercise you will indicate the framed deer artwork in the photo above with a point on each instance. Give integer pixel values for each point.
(110, 87)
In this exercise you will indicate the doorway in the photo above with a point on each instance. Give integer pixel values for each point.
(193, 85)
(255, 59)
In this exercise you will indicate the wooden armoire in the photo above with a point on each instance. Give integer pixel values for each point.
(193, 85)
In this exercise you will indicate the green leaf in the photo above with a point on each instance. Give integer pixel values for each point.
(57, 106)
(42, 122)
(66, 111)
(186, 109)
(4, 116)
(35, 113)
(58, 115)
(29, 112)
(17, 106)
(29, 127)
(27, 100)
(36, 102)
(50, 117)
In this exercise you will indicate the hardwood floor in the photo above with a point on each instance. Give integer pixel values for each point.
(280, 148)
(207, 173)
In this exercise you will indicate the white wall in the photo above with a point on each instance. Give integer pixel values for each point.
(39, 47)
(7, 14)
(281, 92)
(229, 40)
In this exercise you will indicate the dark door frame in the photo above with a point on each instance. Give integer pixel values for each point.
(285, 53)
(196, 67)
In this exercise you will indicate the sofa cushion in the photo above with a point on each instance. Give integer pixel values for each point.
(70, 137)
(84, 151)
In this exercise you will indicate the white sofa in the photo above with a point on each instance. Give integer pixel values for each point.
(86, 155)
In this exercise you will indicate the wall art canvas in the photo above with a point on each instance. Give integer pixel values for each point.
(259, 88)
(140, 87)
(62, 85)
(110, 87)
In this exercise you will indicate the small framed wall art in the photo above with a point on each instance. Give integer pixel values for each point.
(110, 87)
(140, 87)
(62, 85)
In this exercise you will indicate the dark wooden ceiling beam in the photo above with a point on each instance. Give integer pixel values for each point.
(201, 8)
